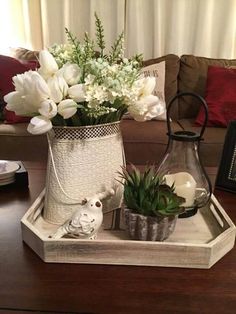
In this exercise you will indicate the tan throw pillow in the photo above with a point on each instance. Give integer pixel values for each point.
(24, 54)
(158, 71)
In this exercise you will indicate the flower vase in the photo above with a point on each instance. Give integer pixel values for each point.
(82, 161)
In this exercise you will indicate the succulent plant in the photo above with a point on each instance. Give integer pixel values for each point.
(146, 193)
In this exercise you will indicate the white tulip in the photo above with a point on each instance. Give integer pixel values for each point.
(71, 73)
(48, 65)
(155, 106)
(67, 108)
(146, 108)
(15, 103)
(39, 125)
(147, 85)
(31, 90)
(18, 81)
(35, 85)
(58, 88)
(13, 98)
(77, 92)
(48, 108)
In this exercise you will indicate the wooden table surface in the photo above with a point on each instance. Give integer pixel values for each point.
(27, 284)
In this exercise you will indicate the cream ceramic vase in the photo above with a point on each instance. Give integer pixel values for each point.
(82, 161)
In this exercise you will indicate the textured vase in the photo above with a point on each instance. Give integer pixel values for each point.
(83, 161)
(147, 228)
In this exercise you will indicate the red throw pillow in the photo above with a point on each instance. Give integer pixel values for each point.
(220, 97)
(9, 67)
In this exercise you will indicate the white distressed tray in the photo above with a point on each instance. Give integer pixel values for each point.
(197, 242)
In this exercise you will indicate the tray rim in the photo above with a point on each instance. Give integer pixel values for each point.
(39, 199)
(210, 255)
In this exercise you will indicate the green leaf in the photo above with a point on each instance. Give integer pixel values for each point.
(147, 194)
(117, 49)
(99, 34)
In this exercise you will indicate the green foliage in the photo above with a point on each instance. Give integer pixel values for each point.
(117, 49)
(87, 117)
(100, 35)
(81, 54)
(75, 44)
(147, 194)
(108, 79)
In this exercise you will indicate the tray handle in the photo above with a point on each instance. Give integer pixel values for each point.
(217, 214)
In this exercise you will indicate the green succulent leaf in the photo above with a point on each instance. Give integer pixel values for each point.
(147, 193)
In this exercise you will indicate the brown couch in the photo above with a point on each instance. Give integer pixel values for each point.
(143, 142)
(147, 142)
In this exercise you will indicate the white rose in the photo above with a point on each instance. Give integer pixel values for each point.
(77, 92)
(39, 125)
(67, 108)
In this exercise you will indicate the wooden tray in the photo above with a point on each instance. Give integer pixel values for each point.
(197, 242)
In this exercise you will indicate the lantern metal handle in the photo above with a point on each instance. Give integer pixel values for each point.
(193, 95)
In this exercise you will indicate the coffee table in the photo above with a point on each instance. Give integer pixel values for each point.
(27, 284)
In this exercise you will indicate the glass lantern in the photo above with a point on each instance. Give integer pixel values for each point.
(182, 166)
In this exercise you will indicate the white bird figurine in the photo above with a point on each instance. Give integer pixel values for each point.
(85, 221)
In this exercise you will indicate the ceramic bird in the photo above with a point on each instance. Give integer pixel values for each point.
(86, 220)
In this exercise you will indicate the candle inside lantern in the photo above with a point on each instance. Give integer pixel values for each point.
(185, 186)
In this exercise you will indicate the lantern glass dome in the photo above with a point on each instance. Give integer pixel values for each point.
(182, 166)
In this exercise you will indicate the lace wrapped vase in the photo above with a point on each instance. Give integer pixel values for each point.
(82, 161)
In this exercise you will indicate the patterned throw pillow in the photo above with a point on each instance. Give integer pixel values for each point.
(158, 71)
(24, 54)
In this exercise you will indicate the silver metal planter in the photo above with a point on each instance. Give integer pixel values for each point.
(147, 228)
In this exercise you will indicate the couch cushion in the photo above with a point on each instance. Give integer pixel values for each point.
(171, 75)
(145, 142)
(192, 78)
(220, 97)
(212, 145)
(18, 144)
(19, 129)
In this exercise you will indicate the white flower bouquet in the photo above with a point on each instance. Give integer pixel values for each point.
(77, 84)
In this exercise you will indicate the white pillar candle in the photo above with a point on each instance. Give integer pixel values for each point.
(185, 186)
